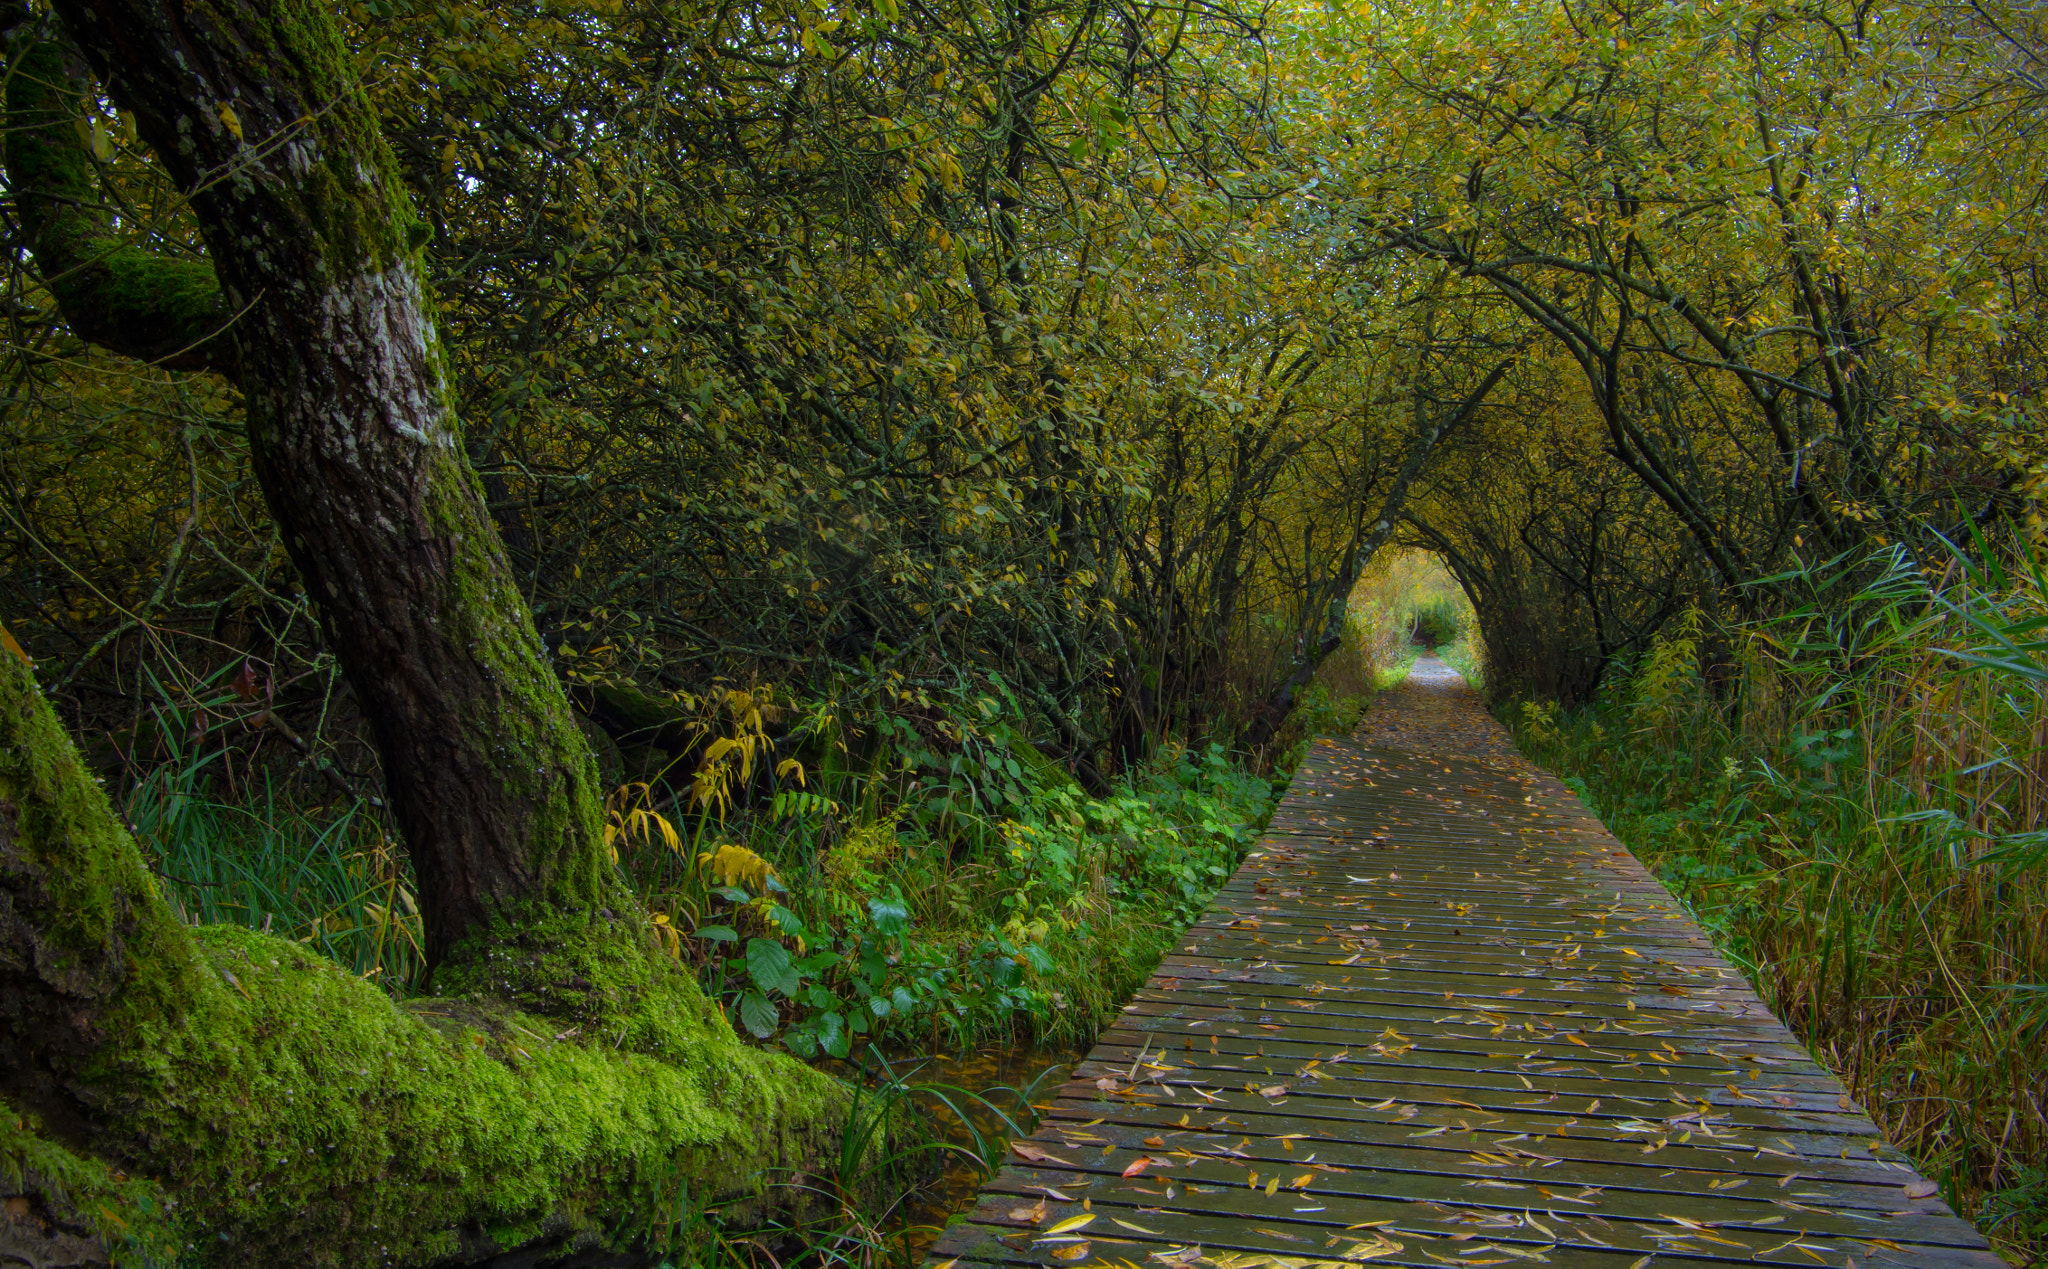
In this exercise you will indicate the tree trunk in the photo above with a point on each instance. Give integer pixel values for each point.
(256, 111)
(219, 1096)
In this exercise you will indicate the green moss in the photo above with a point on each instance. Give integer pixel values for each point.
(325, 1125)
(85, 1198)
(112, 292)
(288, 1112)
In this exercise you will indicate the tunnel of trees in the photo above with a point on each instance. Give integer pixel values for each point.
(528, 448)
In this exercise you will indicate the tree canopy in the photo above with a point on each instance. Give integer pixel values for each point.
(485, 405)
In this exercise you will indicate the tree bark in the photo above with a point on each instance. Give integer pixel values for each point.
(256, 110)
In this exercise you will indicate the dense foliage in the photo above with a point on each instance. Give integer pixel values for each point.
(948, 452)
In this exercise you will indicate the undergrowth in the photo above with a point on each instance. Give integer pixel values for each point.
(250, 852)
(954, 888)
(931, 880)
(1853, 798)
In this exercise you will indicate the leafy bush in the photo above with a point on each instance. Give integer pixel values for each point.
(1439, 622)
(955, 886)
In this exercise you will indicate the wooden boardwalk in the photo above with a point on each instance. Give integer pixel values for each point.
(1441, 1016)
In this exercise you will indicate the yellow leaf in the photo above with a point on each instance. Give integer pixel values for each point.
(1069, 1225)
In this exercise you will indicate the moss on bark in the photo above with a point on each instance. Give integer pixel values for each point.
(227, 1093)
(112, 292)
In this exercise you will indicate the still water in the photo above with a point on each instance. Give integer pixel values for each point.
(1012, 1083)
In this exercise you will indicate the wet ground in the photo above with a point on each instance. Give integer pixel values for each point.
(1434, 711)
(1011, 1078)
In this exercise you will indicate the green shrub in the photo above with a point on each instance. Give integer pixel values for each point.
(1439, 622)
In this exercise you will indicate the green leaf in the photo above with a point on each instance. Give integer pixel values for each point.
(717, 933)
(832, 1034)
(889, 917)
(769, 965)
(759, 1014)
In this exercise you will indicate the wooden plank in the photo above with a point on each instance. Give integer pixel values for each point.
(1441, 1016)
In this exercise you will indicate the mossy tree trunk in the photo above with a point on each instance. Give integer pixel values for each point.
(218, 1096)
(256, 110)
(220, 1090)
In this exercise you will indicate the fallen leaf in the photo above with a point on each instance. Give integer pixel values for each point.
(1918, 1189)
(1075, 1252)
(1070, 1224)
(1137, 1165)
(1032, 1154)
(1273, 1090)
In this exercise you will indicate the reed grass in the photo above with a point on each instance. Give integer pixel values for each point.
(325, 875)
(1853, 798)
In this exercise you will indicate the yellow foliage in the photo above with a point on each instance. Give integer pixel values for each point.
(630, 816)
(729, 759)
(732, 865)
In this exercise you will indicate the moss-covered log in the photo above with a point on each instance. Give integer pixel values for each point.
(227, 1095)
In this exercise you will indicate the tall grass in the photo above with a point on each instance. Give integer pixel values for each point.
(1854, 798)
(326, 876)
